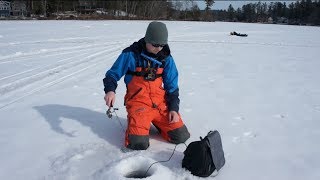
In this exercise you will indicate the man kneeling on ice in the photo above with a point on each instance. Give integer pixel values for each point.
(151, 78)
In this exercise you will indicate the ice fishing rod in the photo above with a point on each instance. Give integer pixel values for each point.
(111, 110)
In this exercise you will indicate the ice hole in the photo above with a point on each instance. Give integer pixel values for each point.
(139, 174)
(137, 167)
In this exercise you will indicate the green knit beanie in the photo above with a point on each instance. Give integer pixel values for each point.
(156, 33)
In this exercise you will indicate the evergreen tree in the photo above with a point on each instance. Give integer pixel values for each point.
(231, 13)
(209, 4)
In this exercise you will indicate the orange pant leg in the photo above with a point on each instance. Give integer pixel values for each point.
(173, 132)
(139, 121)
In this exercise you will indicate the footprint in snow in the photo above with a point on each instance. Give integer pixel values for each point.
(238, 119)
(79, 162)
(280, 116)
(82, 155)
(77, 157)
(245, 136)
(249, 134)
(236, 139)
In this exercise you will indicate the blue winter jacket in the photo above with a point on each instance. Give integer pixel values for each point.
(135, 56)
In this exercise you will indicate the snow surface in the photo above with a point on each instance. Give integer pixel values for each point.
(262, 93)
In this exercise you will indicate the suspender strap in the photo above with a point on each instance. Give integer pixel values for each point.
(142, 73)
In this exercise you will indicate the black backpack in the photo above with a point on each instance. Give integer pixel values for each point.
(202, 157)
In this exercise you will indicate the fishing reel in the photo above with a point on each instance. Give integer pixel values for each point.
(110, 111)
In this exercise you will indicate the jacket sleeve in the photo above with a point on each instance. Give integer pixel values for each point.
(118, 69)
(173, 100)
(170, 81)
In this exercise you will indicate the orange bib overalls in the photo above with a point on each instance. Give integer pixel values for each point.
(145, 104)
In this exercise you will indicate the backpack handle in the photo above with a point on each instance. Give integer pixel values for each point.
(206, 139)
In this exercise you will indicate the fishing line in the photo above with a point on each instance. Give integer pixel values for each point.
(164, 160)
(109, 113)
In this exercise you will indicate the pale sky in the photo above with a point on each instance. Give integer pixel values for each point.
(223, 4)
(236, 4)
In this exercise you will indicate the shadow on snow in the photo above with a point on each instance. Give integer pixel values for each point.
(98, 122)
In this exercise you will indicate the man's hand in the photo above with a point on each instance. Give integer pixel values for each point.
(173, 117)
(110, 98)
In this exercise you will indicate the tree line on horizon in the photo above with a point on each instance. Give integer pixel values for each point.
(306, 12)
(129, 9)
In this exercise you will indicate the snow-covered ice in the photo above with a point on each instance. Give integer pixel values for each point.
(261, 92)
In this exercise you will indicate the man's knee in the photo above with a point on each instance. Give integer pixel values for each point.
(179, 135)
(138, 142)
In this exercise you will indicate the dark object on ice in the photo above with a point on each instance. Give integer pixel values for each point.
(238, 34)
(140, 174)
(203, 157)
